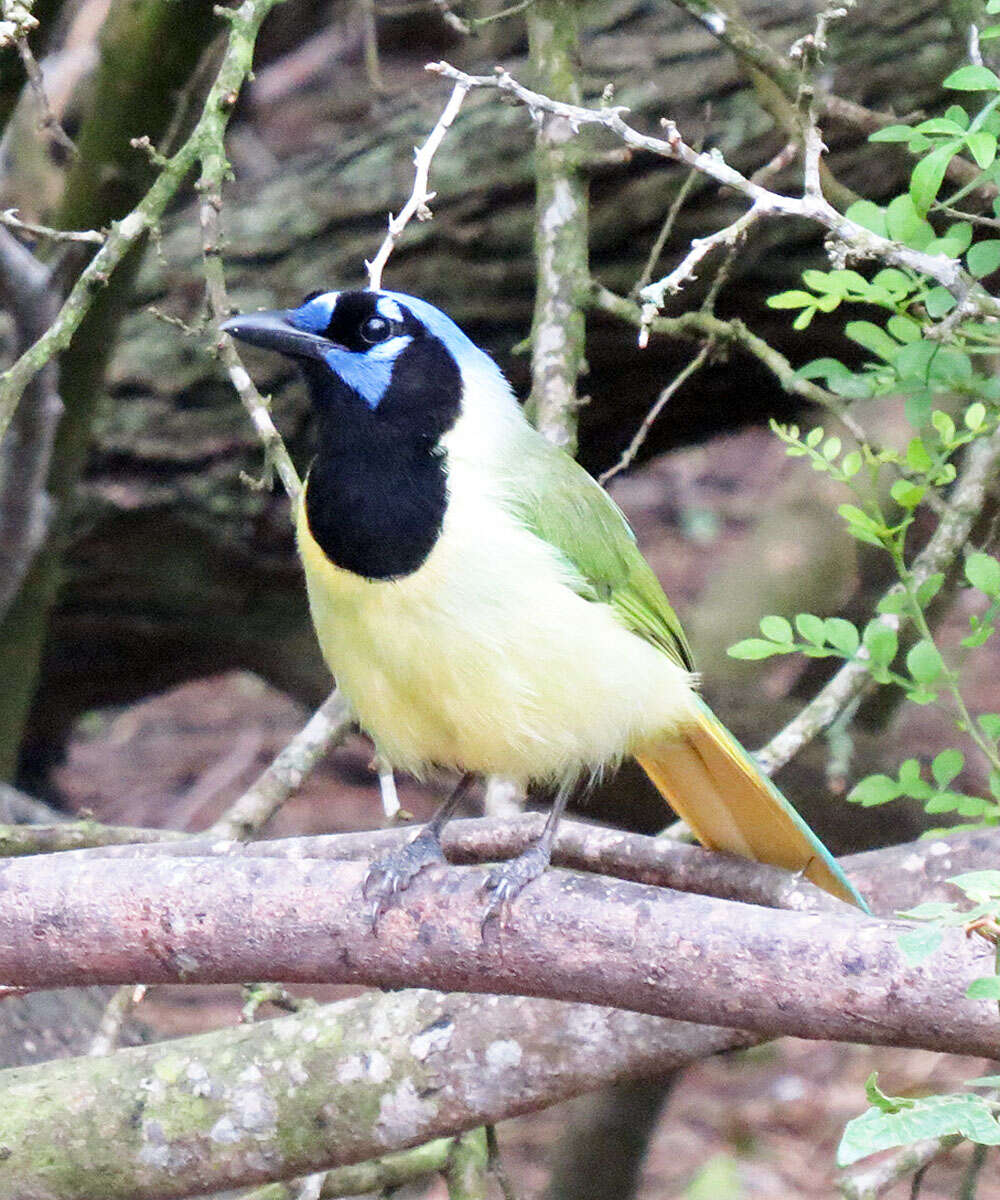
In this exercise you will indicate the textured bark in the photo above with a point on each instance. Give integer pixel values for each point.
(347, 1082)
(164, 473)
(213, 1111)
(568, 937)
(335, 1085)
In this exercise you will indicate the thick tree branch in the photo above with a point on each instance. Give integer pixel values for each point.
(518, 1055)
(572, 937)
(326, 1087)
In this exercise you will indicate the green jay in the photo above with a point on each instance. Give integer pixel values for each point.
(482, 601)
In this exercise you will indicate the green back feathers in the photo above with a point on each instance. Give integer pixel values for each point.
(560, 503)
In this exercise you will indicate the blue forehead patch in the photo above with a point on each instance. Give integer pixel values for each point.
(388, 308)
(462, 348)
(314, 316)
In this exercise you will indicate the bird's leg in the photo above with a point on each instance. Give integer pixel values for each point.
(393, 873)
(505, 881)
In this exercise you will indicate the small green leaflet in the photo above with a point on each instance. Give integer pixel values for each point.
(966, 1115)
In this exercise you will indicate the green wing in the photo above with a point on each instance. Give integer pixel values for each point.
(560, 503)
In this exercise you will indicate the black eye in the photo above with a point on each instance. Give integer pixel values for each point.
(375, 329)
(312, 296)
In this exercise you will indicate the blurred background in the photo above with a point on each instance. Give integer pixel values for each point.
(159, 652)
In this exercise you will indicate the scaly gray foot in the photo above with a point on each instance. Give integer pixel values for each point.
(389, 876)
(508, 879)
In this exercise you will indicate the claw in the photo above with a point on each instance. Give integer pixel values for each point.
(506, 881)
(388, 877)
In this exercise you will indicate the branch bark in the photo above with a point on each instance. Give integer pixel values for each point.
(569, 937)
(329, 1086)
(345, 1083)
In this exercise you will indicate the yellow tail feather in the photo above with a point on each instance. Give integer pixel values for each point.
(712, 783)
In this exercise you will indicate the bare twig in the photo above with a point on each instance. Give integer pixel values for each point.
(370, 33)
(328, 725)
(276, 456)
(561, 249)
(17, 15)
(856, 241)
(116, 1013)
(853, 678)
(204, 140)
(420, 198)
(91, 237)
(665, 230)
(730, 236)
(634, 446)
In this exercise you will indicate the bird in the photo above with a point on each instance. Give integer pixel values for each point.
(482, 601)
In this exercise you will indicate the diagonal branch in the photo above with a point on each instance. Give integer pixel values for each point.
(245, 21)
(858, 241)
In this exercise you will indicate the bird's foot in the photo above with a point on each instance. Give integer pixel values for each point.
(509, 879)
(389, 876)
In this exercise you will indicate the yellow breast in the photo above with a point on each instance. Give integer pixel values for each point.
(485, 659)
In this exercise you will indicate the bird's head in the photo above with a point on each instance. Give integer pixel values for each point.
(374, 359)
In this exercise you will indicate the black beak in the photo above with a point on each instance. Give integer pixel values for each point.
(274, 331)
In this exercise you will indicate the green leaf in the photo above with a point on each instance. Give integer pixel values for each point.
(906, 493)
(979, 885)
(930, 1117)
(972, 79)
(874, 790)
(718, 1179)
(929, 589)
(956, 113)
(894, 602)
(873, 338)
(918, 944)
(893, 280)
(983, 258)
(777, 629)
(983, 148)
(851, 464)
(983, 572)
(881, 642)
(989, 723)
(893, 133)
(946, 766)
(950, 365)
(939, 125)
(822, 368)
(804, 319)
(811, 628)
(904, 329)
(754, 648)
(924, 662)
(795, 298)
(842, 635)
(943, 424)
(906, 224)
(929, 910)
(986, 988)
(975, 416)
(869, 216)
(927, 175)
(939, 302)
